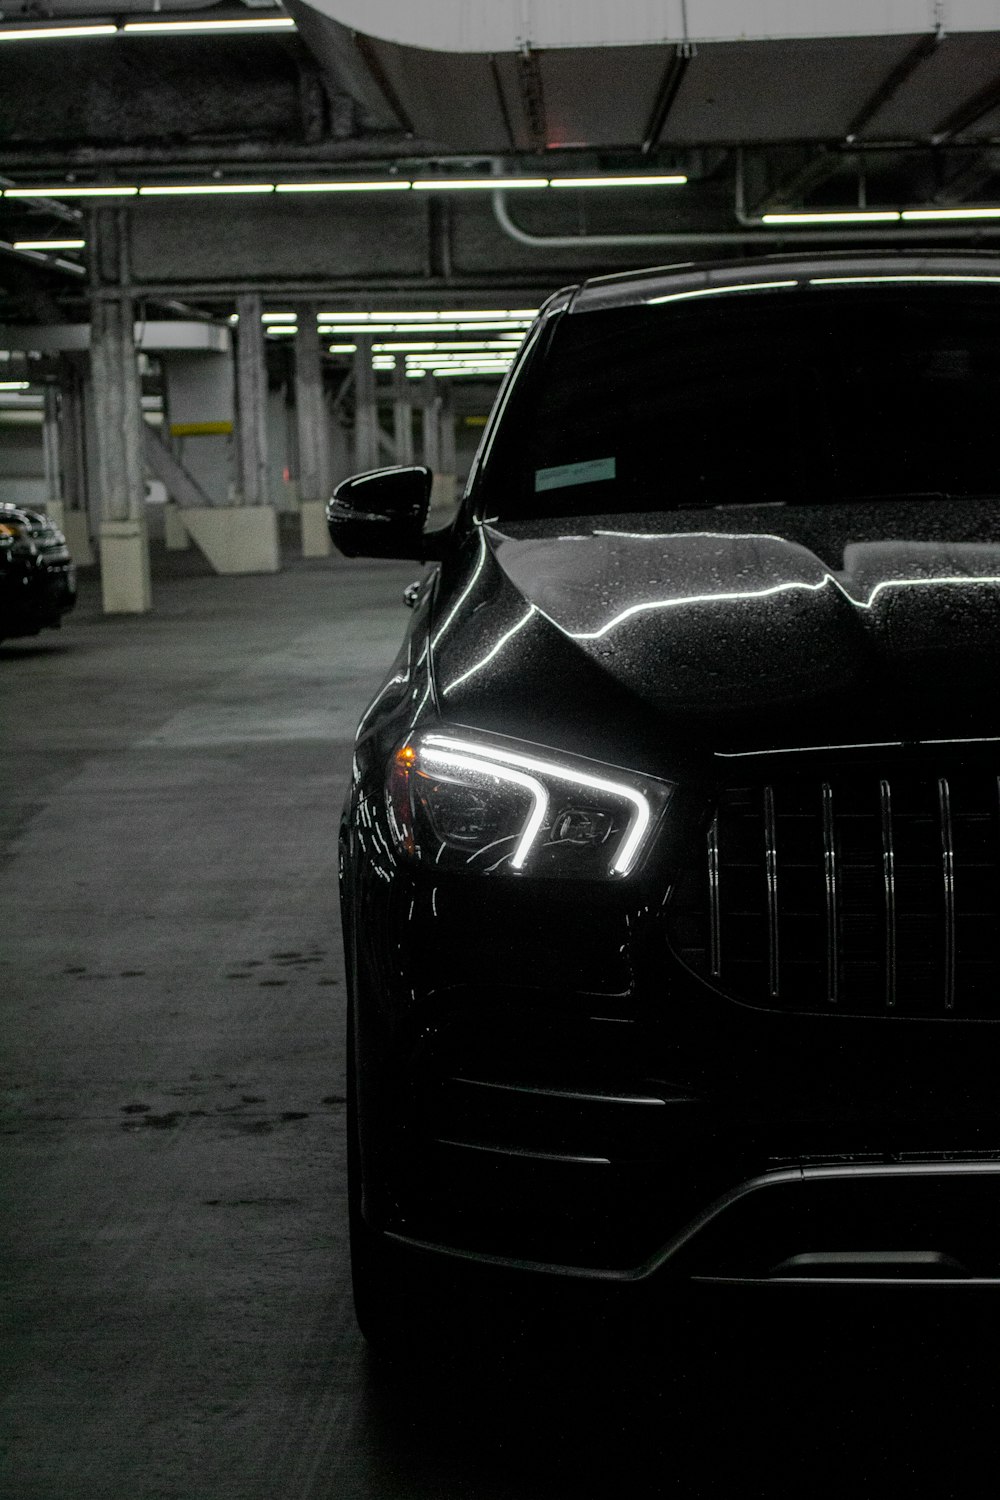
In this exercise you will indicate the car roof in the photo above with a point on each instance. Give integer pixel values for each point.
(631, 288)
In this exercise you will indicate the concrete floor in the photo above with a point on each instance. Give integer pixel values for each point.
(177, 1317)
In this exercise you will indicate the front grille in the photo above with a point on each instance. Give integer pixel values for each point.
(864, 892)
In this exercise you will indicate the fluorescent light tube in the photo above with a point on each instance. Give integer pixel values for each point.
(54, 33)
(463, 345)
(407, 328)
(49, 244)
(165, 28)
(950, 213)
(674, 179)
(394, 185)
(425, 315)
(183, 190)
(343, 349)
(445, 372)
(70, 190)
(465, 184)
(838, 216)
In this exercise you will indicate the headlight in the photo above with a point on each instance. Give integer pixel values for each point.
(464, 803)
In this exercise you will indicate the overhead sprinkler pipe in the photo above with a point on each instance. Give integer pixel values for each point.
(751, 231)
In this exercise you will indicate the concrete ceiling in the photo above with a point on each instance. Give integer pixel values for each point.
(884, 101)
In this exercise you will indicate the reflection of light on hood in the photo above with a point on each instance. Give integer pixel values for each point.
(478, 666)
(779, 588)
(657, 604)
(466, 591)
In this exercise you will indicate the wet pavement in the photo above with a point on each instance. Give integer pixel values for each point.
(176, 1311)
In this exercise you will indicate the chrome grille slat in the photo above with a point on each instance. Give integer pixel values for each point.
(715, 950)
(771, 875)
(948, 873)
(889, 887)
(870, 888)
(830, 891)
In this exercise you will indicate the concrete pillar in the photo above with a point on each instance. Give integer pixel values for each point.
(73, 457)
(366, 454)
(402, 412)
(176, 537)
(443, 489)
(54, 507)
(341, 451)
(312, 426)
(430, 423)
(242, 537)
(251, 403)
(124, 549)
(446, 417)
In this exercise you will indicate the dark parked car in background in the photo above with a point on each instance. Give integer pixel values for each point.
(670, 868)
(37, 576)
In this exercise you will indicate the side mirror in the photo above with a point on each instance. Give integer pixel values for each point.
(382, 514)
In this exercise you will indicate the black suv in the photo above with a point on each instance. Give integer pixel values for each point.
(37, 576)
(671, 863)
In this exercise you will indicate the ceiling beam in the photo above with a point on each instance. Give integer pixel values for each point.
(893, 82)
(968, 113)
(676, 66)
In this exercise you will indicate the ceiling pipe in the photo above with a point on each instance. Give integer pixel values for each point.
(750, 232)
(42, 261)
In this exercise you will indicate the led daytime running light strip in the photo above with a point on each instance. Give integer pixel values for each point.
(540, 796)
(473, 755)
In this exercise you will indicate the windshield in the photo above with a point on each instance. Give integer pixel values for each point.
(795, 397)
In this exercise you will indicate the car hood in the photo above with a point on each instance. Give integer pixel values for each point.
(731, 629)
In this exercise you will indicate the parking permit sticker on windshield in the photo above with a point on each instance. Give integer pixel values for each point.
(588, 472)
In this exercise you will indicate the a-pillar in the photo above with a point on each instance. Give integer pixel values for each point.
(312, 426)
(124, 548)
(366, 455)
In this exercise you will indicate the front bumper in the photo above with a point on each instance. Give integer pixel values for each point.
(915, 1223)
(544, 1085)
